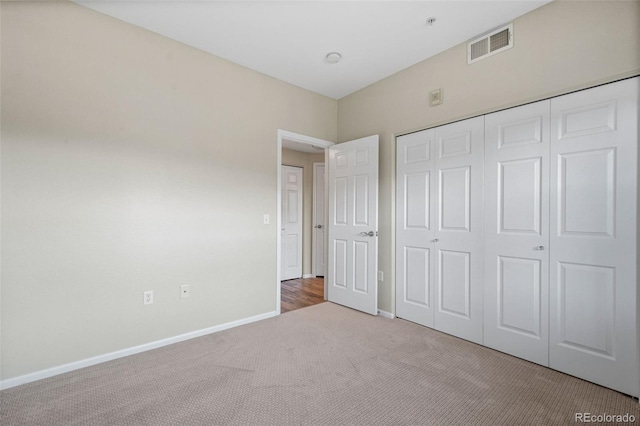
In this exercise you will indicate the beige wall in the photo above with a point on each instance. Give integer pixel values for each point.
(559, 47)
(131, 162)
(305, 160)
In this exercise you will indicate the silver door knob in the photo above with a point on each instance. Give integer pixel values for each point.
(319, 226)
(368, 234)
(540, 248)
(435, 240)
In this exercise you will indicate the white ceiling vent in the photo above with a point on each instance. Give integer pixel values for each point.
(489, 44)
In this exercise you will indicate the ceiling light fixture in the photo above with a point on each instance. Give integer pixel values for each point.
(333, 57)
(431, 21)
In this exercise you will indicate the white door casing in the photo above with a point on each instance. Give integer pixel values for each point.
(291, 222)
(353, 224)
(516, 241)
(319, 223)
(593, 258)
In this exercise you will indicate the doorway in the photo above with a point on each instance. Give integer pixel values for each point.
(301, 151)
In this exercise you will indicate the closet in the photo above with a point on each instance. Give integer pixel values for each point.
(518, 230)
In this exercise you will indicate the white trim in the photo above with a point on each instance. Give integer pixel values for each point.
(385, 314)
(284, 134)
(65, 368)
(278, 217)
(308, 276)
(314, 260)
(297, 137)
(326, 215)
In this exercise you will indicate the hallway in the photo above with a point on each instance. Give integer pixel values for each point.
(300, 293)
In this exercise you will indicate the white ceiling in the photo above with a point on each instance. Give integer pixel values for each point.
(289, 40)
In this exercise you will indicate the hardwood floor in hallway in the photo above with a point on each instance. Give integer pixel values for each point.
(300, 293)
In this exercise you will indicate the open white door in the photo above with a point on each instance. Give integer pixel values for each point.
(353, 224)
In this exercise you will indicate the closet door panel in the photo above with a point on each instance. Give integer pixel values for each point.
(459, 149)
(593, 299)
(414, 227)
(516, 271)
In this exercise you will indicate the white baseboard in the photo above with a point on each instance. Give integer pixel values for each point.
(308, 276)
(65, 368)
(385, 314)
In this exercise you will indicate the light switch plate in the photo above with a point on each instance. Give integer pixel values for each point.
(435, 97)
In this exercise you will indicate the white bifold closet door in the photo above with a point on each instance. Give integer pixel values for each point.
(415, 231)
(516, 250)
(593, 258)
(439, 228)
(560, 232)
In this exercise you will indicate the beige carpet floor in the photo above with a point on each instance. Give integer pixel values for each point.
(322, 365)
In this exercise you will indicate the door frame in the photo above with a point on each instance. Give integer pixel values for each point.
(307, 140)
(314, 261)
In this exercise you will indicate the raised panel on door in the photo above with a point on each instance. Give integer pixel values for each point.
(593, 281)
(459, 165)
(340, 261)
(586, 202)
(353, 224)
(520, 195)
(361, 204)
(454, 283)
(414, 227)
(455, 199)
(340, 201)
(519, 296)
(516, 248)
(415, 289)
(361, 268)
(586, 295)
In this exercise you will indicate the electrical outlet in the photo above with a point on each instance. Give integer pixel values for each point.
(184, 291)
(148, 297)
